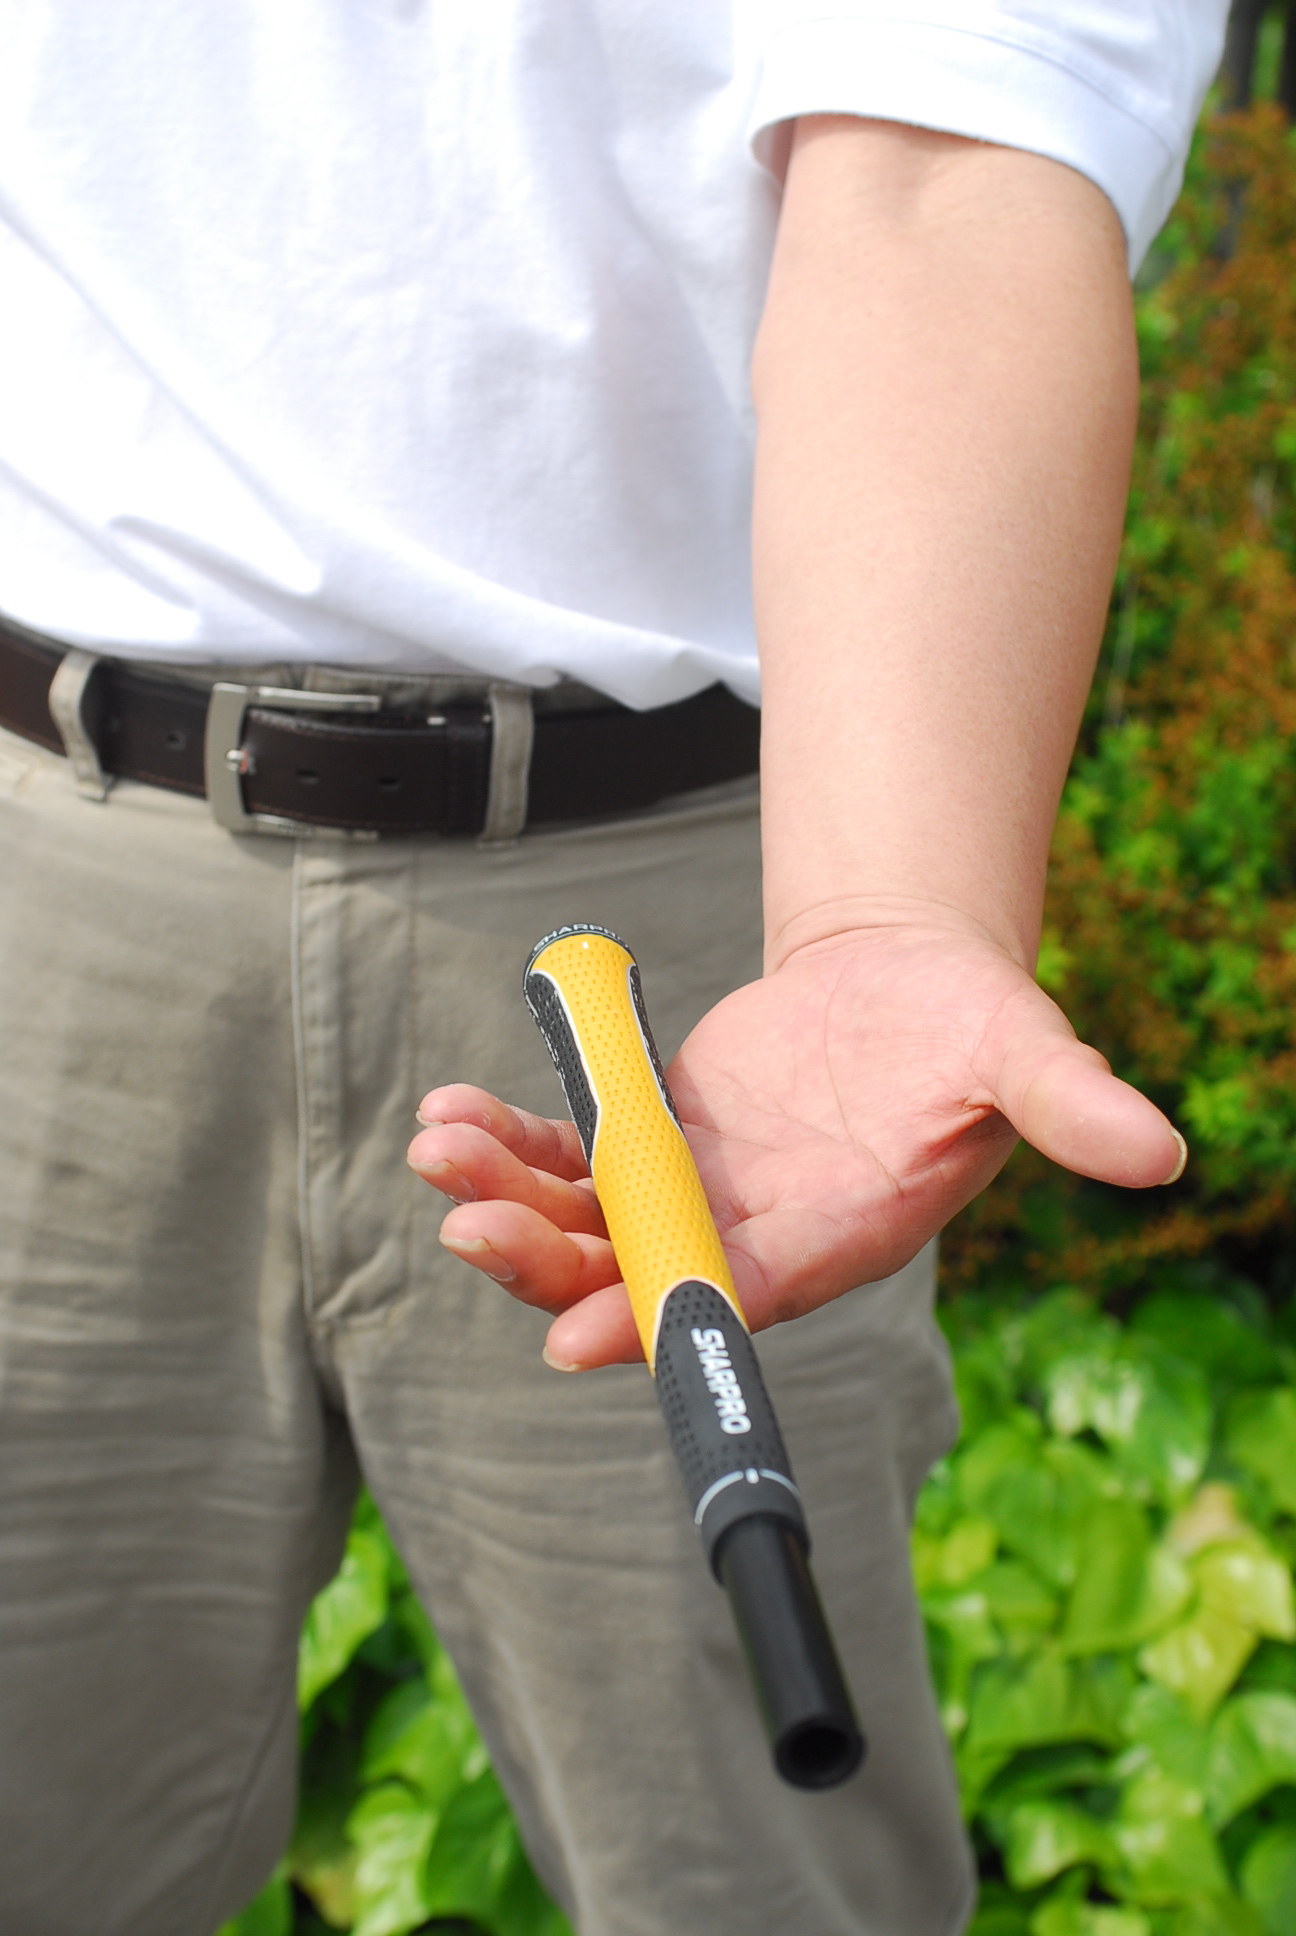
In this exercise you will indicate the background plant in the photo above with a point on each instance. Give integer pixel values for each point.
(1171, 920)
(1106, 1561)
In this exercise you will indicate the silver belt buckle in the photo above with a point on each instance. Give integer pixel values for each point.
(225, 760)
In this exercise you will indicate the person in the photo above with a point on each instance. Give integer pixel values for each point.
(377, 460)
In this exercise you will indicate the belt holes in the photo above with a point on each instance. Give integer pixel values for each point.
(388, 783)
(308, 776)
(176, 740)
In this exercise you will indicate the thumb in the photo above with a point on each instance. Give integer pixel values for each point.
(1062, 1097)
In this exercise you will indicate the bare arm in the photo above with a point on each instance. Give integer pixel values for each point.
(946, 385)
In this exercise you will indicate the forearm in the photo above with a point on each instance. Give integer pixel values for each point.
(946, 387)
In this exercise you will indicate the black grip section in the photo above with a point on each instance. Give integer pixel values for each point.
(546, 1005)
(794, 1667)
(649, 1039)
(721, 1424)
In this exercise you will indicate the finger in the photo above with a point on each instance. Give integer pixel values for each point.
(537, 1141)
(520, 1249)
(1090, 1121)
(1062, 1097)
(468, 1164)
(600, 1330)
(791, 1260)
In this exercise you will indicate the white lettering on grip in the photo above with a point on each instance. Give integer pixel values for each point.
(721, 1380)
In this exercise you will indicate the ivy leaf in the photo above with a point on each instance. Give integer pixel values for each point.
(351, 1607)
(392, 1829)
(322, 1861)
(983, 1382)
(474, 1854)
(269, 1914)
(1019, 1603)
(1216, 1916)
(1059, 1918)
(1044, 1838)
(1253, 1749)
(1046, 1698)
(1008, 1444)
(1272, 1668)
(1212, 1518)
(963, 1552)
(1041, 1507)
(1244, 1581)
(936, 1507)
(426, 1735)
(1126, 1589)
(1000, 1912)
(1037, 1701)
(1168, 1852)
(1262, 1438)
(1059, 1324)
(1175, 1739)
(1269, 1878)
(1207, 1331)
(523, 1909)
(1200, 1658)
(965, 1618)
(1039, 1772)
(1152, 1409)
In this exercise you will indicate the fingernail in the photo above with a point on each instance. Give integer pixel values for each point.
(428, 1122)
(559, 1364)
(445, 1177)
(478, 1250)
(1181, 1165)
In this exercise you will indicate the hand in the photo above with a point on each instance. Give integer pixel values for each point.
(840, 1111)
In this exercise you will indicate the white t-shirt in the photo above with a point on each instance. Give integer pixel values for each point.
(414, 333)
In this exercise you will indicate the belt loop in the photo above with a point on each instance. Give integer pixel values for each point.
(66, 700)
(512, 737)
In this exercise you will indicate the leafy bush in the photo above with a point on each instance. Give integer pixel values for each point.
(1105, 1566)
(1106, 1561)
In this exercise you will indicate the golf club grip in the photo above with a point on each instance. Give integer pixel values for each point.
(582, 985)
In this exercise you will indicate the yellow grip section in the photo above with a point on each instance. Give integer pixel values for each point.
(647, 1182)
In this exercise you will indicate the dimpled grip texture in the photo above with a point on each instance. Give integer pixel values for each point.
(647, 1182)
(729, 1473)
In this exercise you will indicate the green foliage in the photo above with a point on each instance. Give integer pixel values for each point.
(1127, 1764)
(1105, 1569)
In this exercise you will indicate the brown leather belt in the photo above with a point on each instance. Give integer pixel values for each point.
(282, 759)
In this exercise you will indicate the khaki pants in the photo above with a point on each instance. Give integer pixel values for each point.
(221, 1292)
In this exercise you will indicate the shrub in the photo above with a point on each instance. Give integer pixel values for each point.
(1105, 1566)
(1171, 919)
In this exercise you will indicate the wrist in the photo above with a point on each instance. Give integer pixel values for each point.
(865, 918)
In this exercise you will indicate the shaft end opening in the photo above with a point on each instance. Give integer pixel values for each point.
(819, 1754)
(799, 1683)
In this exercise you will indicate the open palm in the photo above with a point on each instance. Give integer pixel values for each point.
(840, 1110)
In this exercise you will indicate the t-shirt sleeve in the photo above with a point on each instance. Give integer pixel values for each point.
(1111, 87)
